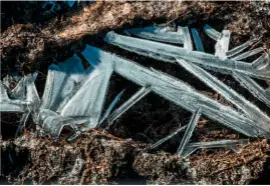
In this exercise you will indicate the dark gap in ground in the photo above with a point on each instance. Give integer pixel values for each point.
(264, 175)
(151, 119)
(12, 162)
(9, 124)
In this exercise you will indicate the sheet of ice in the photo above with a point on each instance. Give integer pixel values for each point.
(161, 141)
(231, 144)
(88, 101)
(169, 53)
(62, 81)
(156, 33)
(252, 111)
(189, 131)
(197, 40)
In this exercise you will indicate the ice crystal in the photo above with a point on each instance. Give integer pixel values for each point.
(74, 95)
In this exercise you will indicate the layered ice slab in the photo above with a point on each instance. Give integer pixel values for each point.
(169, 53)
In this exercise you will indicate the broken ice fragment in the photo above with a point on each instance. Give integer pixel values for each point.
(222, 45)
(188, 133)
(231, 144)
(197, 40)
(10, 105)
(157, 33)
(129, 103)
(187, 38)
(161, 141)
(212, 33)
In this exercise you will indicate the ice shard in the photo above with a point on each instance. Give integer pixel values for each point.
(187, 38)
(248, 54)
(10, 105)
(239, 49)
(248, 108)
(197, 40)
(161, 141)
(231, 144)
(129, 103)
(156, 33)
(222, 45)
(212, 33)
(111, 106)
(189, 130)
(253, 87)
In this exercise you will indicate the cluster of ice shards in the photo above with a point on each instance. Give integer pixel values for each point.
(74, 95)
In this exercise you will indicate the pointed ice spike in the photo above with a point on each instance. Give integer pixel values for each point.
(187, 38)
(111, 106)
(161, 141)
(212, 33)
(197, 40)
(188, 133)
(9, 105)
(231, 144)
(248, 108)
(252, 87)
(239, 49)
(248, 54)
(222, 45)
(169, 53)
(156, 33)
(129, 103)
(183, 95)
